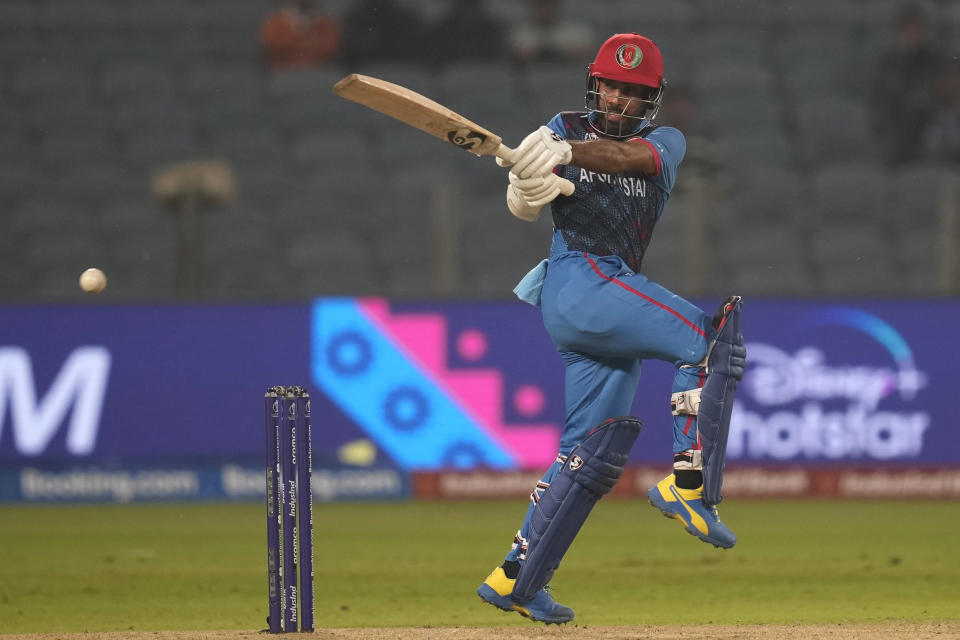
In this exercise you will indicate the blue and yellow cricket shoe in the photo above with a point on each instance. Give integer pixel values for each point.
(496, 590)
(686, 505)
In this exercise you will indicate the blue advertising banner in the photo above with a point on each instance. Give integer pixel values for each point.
(453, 385)
(858, 382)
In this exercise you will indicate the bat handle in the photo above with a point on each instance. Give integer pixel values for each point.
(506, 153)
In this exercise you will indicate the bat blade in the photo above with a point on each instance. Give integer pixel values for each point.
(431, 117)
(420, 112)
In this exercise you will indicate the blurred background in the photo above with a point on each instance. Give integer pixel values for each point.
(193, 149)
(258, 230)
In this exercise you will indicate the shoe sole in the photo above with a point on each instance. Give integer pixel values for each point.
(492, 601)
(689, 528)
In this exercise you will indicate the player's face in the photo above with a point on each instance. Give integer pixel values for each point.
(622, 99)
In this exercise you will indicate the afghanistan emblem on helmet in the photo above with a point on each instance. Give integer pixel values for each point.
(629, 56)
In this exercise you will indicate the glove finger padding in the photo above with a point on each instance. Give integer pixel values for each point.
(519, 207)
(536, 187)
(537, 191)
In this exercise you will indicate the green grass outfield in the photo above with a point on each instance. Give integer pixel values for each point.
(202, 566)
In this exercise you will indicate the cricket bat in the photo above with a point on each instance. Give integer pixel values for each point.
(430, 117)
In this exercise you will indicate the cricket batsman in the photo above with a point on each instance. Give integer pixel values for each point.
(606, 318)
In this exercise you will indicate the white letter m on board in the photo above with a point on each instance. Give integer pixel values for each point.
(81, 383)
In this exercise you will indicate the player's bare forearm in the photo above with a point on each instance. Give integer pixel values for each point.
(611, 156)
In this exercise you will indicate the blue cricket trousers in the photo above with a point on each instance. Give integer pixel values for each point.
(605, 320)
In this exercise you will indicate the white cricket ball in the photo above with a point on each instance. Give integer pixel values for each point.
(93, 280)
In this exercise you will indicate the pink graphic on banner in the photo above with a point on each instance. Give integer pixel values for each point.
(472, 345)
(529, 400)
(422, 337)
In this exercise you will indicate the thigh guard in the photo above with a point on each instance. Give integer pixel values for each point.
(590, 472)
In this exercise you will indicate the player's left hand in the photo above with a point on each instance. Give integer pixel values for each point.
(539, 153)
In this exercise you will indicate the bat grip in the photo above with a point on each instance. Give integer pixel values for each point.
(506, 153)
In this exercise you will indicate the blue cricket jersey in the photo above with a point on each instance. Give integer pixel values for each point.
(614, 214)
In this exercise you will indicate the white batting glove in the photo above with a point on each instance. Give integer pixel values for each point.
(519, 207)
(527, 196)
(538, 190)
(539, 153)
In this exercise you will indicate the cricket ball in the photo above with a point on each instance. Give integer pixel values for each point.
(93, 280)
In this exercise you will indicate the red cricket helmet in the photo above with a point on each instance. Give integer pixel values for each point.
(631, 58)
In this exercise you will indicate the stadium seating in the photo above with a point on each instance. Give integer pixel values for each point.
(96, 96)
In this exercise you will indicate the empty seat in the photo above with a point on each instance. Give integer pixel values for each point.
(846, 244)
(762, 146)
(818, 13)
(494, 242)
(752, 202)
(546, 89)
(65, 117)
(302, 82)
(153, 112)
(67, 250)
(170, 16)
(42, 213)
(761, 247)
(726, 75)
(745, 13)
(466, 83)
(780, 279)
(414, 76)
(251, 146)
(209, 82)
(740, 110)
(71, 147)
(125, 80)
(731, 42)
(17, 47)
(128, 214)
(399, 144)
(852, 192)
(318, 110)
(92, 184)
(41, 82)
(96, 18)
(19, 15)
(920, 256)
(150, 148)
(322, 262)
(919, 191)
(855, 260)
(21, 178)
(861, 278)
(331, 150)
(805, 77)
(834, 129)
(14, 143)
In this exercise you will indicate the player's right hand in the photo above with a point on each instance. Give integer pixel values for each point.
(519, 207)
(538, 190)
(539, 153)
